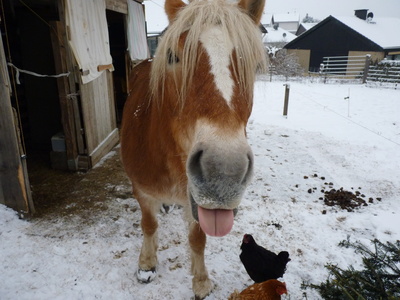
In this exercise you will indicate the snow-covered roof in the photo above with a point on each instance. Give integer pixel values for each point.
(287, 17)
(266, 19)
(278, 35)
(308, 25)
(382, 31)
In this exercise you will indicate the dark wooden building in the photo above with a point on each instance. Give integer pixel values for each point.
(347, 36)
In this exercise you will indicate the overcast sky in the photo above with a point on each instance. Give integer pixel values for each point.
(319, 9)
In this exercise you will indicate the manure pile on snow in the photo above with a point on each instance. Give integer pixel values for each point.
(346, 200)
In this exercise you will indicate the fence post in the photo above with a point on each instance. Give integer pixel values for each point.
(366, 67)
(286, 103)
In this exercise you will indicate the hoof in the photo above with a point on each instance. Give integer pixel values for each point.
(202, 289)
(166, 209)
(199, 298)
(146, 276)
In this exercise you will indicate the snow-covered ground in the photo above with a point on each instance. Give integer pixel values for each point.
(354, 144)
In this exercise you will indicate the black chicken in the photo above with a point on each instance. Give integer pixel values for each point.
(260, 263)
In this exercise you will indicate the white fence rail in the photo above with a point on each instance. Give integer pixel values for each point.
(359, 68)
(345, 67)
(384, 75)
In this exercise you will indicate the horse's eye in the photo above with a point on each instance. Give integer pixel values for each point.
(172, 58)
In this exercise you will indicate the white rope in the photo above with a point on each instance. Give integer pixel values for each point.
(18, 70)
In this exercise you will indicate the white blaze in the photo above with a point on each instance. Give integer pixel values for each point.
(219, 49)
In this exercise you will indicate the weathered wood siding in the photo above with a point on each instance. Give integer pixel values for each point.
(120, 6)
(101, 132)
(14, 184)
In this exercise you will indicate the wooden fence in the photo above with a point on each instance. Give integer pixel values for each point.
(384, 75)
(345, 67)
(359, 69)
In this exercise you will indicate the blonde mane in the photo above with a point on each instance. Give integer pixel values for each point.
(193, 19)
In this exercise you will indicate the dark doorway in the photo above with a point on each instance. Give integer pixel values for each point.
(26, 32)
(118, 48)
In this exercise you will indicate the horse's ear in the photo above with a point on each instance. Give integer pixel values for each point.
(172, 7)
(254, 9)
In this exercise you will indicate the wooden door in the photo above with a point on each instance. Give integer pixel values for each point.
(14, 183)
(88, 110)
(99, 118)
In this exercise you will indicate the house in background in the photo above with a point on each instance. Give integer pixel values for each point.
(357, 35)
(288, 21)
(303, 27)
(266, 19)
(277, 37)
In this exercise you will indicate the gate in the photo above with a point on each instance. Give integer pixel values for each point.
(345, 67)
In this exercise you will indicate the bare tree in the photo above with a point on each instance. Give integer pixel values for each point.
(309, 19)
(282, 63)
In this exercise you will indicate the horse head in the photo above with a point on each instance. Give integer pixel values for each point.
(203, 73)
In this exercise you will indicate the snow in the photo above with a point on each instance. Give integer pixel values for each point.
(266, 19)
(379, 30)
(353, 145)
(278, 35)
(286, 17)
(308, 26)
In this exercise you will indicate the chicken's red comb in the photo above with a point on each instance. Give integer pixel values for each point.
(281, 289)
(246, 238)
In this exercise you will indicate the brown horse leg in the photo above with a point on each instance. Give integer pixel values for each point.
(201, 284)
(148, 253)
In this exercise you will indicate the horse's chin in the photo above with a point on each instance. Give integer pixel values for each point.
(215, 221)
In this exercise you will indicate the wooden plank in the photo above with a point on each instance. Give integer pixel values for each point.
(66, 106)
(111, 97)
(73, 81)
(105, 67)
(120, 6)
(14, 183)
(105, 147)
(99, 117)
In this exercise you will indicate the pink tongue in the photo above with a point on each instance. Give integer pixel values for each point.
(215, 222)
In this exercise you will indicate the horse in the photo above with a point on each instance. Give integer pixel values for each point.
(183, 132)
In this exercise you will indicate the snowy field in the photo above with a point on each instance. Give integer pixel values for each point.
(354, 144)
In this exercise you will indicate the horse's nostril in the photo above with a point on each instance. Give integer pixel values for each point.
(249, 172)
(195, 168)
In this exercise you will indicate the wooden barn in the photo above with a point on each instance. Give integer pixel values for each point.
(347, 36)
(64, 69)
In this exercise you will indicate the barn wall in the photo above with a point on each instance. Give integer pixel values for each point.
(304, 57)
(99, 117)
(120, 6)
(375, 56)
(331, 38)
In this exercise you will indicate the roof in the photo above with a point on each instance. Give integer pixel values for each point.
(278, 35)
(266, 19)
(383, 32)
(288, 17)
(307, 26)
(303, 27)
